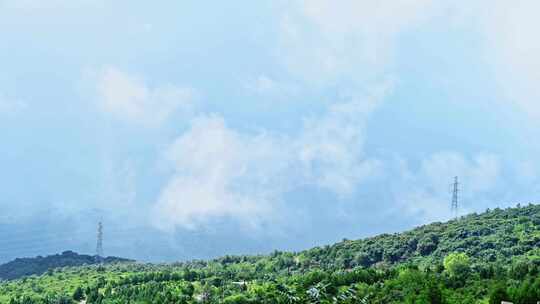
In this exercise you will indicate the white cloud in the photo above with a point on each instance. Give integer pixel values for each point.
(353, 40)
(344, 41)
(220, 172)
(129, 98)
(513, 46)
(331, 147)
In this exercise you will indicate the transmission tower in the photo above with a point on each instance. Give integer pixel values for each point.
(455, 192)
(99, 246)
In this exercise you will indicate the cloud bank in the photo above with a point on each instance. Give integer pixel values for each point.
(129, 98)
(351, 46)
(222, 172)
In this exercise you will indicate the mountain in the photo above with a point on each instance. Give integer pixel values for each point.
(479, 258)
(39, 265)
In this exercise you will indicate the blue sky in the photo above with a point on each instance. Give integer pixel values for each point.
(194, 129)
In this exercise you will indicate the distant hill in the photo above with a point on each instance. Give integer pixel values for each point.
(29, 266)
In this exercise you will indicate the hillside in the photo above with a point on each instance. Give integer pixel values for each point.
(479, 258)
(39, 265)
(494, 236)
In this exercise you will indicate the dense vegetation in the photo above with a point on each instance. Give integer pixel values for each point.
(39, 265)
(482, 258)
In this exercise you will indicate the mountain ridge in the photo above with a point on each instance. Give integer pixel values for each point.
(21, 267)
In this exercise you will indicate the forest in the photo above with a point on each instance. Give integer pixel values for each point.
(478, 258)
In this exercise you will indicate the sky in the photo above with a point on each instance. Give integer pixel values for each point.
(195, 129)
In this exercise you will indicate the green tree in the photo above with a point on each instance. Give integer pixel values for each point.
(457, 264)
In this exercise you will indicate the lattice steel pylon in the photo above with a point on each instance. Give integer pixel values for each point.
(455, 197)
(99, 246)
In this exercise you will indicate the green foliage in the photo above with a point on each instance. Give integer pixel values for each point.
(482, 258)
(457, 264)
